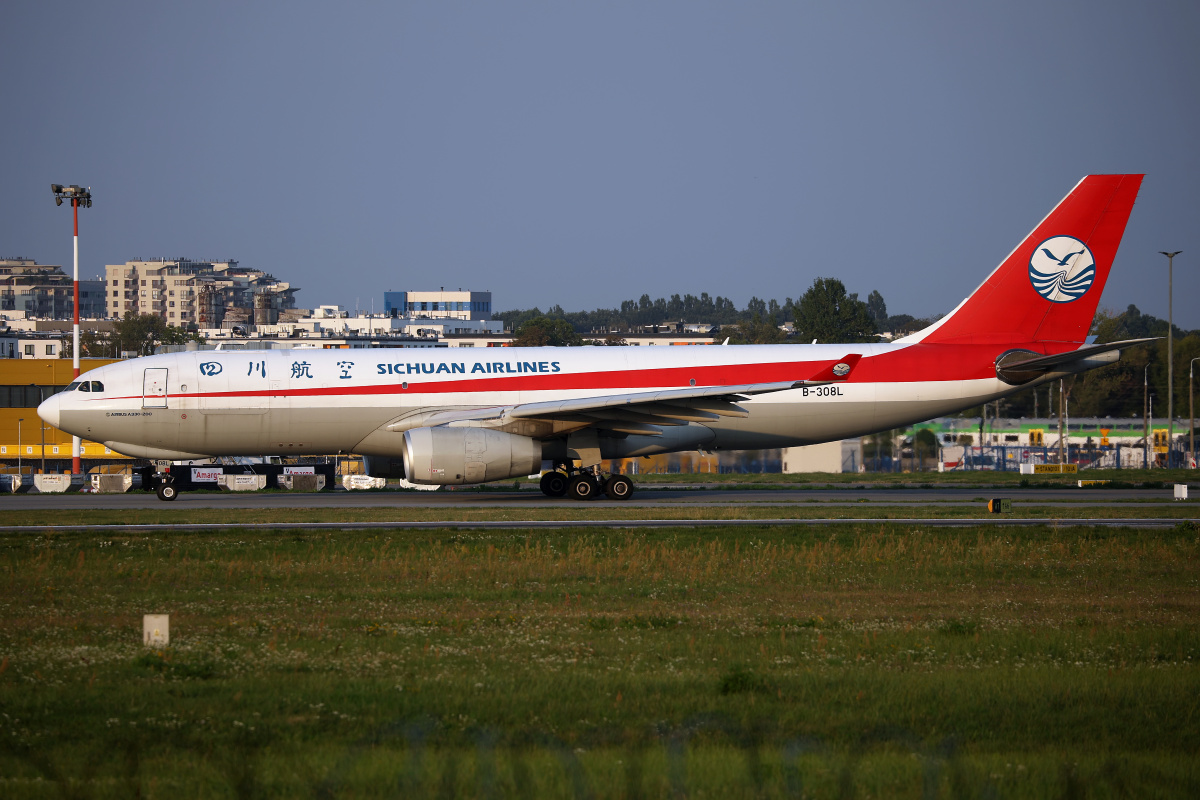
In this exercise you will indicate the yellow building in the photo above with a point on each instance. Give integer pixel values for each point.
(24, 383)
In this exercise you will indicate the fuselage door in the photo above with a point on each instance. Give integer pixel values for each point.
(154, 388)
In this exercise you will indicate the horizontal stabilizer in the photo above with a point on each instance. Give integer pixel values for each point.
(1017, 367)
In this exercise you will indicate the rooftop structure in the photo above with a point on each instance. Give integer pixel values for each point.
(440, 304)
(331, 322)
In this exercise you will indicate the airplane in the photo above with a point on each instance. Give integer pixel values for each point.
(468, 416)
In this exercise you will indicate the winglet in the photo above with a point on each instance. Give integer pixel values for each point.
(837, 371)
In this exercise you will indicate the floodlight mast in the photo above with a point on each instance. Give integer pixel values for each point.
(1170, 355)
(78, 196)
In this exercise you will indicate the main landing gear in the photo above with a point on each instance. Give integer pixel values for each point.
(585, 484)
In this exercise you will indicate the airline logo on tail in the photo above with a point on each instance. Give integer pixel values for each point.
(1062, 269)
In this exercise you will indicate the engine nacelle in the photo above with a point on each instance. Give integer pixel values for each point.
(468, 455)
(384, 466)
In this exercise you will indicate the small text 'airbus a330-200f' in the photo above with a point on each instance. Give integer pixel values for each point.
(458, 416)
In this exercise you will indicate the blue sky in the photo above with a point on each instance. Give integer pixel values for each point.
(586, 153)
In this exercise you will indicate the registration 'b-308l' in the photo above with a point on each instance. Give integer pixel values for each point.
(439, 418)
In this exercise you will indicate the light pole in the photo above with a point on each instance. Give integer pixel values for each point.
(78, 196)
(19, 447)
(1062, 459)
(1170, 358)
(1145, 418)
(1192, 408)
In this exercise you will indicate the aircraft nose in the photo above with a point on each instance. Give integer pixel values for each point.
(49, 410)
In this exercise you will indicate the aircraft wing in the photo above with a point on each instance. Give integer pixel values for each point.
(630, 412)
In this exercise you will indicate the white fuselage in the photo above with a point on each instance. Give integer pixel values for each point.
(293, 402)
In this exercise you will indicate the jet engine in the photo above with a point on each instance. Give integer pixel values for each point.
(468, 455)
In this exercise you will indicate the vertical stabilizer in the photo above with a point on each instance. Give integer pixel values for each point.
(1048, 288)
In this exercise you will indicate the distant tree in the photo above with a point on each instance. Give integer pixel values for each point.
(774, 311)
(517, 317)
(91, 345)
(757, 330)
(900, 323)
(546, 332)
(877, 309)
(879, 445)
(757, 308)
(141, 333)
(614, 340)
(828, 314)
(925, 444)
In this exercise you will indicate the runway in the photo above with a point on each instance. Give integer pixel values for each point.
(645, 498)
(612, 524)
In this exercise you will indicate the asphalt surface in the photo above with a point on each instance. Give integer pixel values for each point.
(643, 498)
(1007, 522)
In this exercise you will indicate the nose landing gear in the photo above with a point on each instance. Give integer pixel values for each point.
(585, 484)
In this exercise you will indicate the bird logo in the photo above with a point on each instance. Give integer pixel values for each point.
(1062, 269)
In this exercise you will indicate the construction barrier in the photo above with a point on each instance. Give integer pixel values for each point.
(111, 484)
(301, 483)
(352, 482)
(242, 483)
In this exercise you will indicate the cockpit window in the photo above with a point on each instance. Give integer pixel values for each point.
(97, 386)
(83, 386)
(72, 387)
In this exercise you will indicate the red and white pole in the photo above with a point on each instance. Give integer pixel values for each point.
(75, 466)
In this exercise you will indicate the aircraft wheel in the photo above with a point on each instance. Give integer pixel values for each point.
(582, 487)
(618, 487)
(554, 484)
(167, 492)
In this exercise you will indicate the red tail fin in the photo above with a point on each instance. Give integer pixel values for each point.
(1048, 288)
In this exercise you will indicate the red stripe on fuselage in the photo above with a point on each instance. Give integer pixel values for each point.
(918, 362)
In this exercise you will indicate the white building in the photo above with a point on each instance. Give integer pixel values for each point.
(327, 322)
(845, 455)
(439, 305)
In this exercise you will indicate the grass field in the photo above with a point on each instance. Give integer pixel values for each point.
(854, 661)
(178, 514)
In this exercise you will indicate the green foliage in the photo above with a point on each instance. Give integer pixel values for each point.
(925, 445)
(877, 308)
(546, 332)
(925, 439)
(91, 345)
(879, 444)
(757, 331)
(142, 333)
(756, 322)
(1116, 390)
(828, 314)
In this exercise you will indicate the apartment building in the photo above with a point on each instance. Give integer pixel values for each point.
(203, 293)
(44, 291)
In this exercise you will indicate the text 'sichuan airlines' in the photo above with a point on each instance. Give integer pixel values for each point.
(458, 416)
